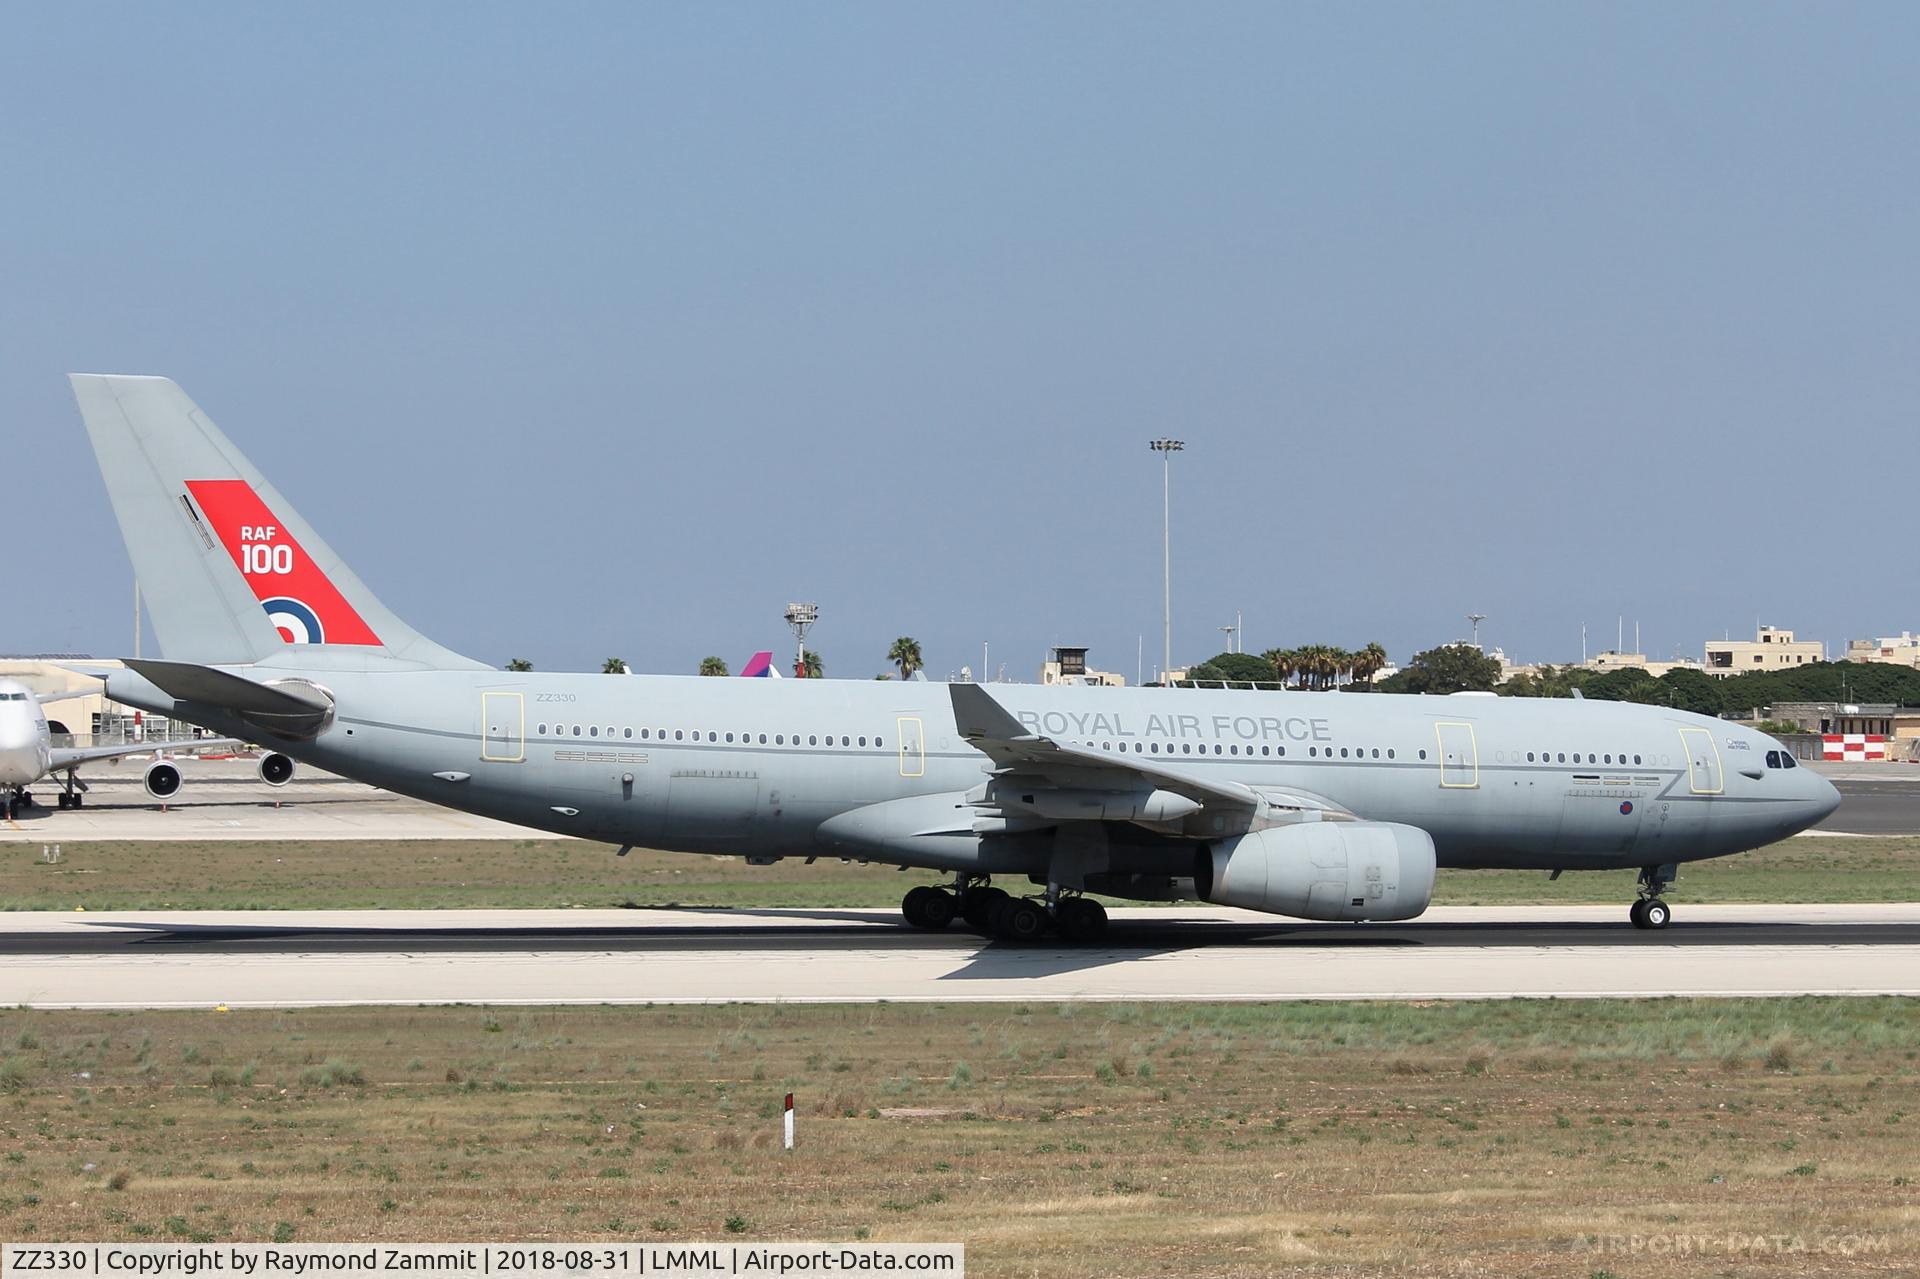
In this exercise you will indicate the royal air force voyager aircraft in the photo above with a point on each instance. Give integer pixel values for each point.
(27, 754)
(1315, 805)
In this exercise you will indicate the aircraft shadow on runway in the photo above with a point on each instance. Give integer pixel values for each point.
(778, 932)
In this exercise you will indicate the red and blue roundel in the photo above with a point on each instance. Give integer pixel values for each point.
(1626, 806)
(296, 623)
(302, 601)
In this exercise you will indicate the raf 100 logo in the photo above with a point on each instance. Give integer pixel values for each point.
(259, 555)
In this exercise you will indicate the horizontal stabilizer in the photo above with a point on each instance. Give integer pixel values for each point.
(286, 708)
(210, 687)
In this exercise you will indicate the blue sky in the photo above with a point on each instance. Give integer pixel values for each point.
(586, 330)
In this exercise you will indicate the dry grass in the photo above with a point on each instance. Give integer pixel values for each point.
(334, 874)
(1056, 1140)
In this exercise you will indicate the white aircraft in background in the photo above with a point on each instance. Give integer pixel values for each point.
(27, 754)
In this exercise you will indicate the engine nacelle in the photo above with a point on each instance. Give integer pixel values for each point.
(162, 780)
(1321, 870)
(276, 769)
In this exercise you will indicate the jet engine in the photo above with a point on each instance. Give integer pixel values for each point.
(162, 779)
(276, 769)
(1321, 870)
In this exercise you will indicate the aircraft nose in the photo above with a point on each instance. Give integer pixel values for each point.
(1826, 798)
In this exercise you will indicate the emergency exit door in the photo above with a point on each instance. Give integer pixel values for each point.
(503, 727)
(1459, 756)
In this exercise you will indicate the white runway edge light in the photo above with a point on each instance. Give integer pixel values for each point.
(787, 1121)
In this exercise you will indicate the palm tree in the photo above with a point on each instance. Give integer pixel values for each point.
(905, 654)
(519, 664)
(1369, 662)
(810, 665)
(614, 666)
(714, 666)
(1283, 662)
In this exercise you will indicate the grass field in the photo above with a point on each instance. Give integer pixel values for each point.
(325, 874)
(1055, 1140)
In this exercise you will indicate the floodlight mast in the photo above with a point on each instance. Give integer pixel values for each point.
(801, 617)
(1166, 449)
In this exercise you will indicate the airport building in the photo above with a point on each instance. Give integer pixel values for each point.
(1895, 650)
(1069, 666)
(1601, 663)
(1772, 649)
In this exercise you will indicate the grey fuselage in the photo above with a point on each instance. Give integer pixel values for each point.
(757, 767)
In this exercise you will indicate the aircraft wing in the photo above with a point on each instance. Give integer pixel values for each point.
(74, 756)
(989, 728)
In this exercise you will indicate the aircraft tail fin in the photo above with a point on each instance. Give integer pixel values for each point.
(229, 570)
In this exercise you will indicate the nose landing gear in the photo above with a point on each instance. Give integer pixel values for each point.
(1649, 911)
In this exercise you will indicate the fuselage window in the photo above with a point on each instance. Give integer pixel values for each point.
(594, 731)
(763, 739)
(811, 740)
(576, 730)
(1529, 757)
(678, 734)
(880, 744)
(729, 736)
(1156, 748)
(1608, 760)
(1313, 750)
(1636, 759)
(542, 730)
(1343, 752)
(1423, 754)
(1389, 752)
(779, 739)
(1590, 758)
(627, 733)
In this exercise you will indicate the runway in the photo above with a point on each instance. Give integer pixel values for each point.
(303, 958)
(1886, 804)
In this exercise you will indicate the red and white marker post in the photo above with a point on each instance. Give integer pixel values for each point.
(788, 1121)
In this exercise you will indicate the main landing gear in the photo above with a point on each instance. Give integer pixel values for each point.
(18, 803)
(1649, 911)
(72, 792)
(993, 911)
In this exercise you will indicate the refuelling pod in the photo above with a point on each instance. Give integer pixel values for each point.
(1321, 870)
(162, 780)
(276, 769)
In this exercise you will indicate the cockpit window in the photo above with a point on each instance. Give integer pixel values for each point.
(1786, 760)
(1773, 760)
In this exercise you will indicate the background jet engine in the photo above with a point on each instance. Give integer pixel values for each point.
(1321, 870)
(162, 779)
(276, 769)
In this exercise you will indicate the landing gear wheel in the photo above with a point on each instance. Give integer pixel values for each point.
(1638, 913)
(1019, 920)
(976, 906)
(63, 800)
(1079, 920)
(1654, 913)
(928, 908)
